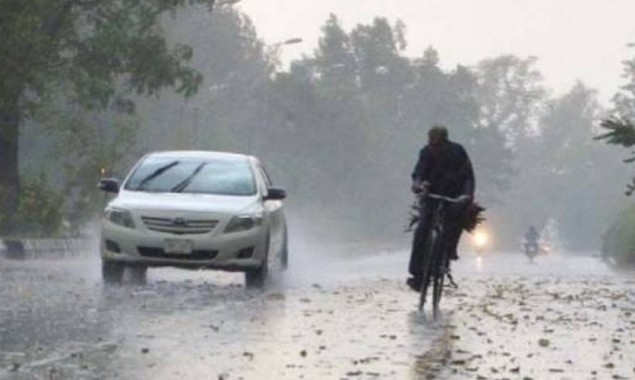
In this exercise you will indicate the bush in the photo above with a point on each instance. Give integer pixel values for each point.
(39, 209)
(619, 240)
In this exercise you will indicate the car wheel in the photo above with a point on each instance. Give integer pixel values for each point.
(112, 271)
(256, 278)
(138, 274)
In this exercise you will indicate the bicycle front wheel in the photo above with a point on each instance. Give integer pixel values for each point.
(431, 248)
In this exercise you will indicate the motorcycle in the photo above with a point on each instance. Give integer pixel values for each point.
(533, 249)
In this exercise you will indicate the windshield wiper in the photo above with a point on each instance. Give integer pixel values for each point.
(187, 181)
(156, 173)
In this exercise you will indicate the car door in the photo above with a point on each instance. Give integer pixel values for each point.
(275, 212)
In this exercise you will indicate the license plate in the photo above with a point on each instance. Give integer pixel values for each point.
(177, 247)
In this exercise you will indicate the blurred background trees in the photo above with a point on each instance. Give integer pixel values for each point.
(341, 130)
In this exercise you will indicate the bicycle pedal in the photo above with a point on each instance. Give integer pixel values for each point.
(451, 283)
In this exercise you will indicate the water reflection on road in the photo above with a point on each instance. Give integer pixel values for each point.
(327, 318)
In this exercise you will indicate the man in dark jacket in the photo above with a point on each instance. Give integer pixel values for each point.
(443, 168)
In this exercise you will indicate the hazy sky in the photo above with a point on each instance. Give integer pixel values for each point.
(574, 39)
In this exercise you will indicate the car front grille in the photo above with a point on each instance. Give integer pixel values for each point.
(159, 253)
(179, 226)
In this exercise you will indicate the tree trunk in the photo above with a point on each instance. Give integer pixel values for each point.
(9, 175)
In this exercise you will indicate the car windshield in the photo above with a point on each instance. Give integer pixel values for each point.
(193, 176)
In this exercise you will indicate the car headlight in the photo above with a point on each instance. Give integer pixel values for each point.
(119, 217)
(243, 223)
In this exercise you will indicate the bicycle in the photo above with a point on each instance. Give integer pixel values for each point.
(435, 258)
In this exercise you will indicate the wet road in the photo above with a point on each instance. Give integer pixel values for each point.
(563, 317)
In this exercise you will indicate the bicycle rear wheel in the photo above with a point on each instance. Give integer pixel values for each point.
(427, 270)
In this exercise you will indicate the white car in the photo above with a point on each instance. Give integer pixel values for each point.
(194, 209)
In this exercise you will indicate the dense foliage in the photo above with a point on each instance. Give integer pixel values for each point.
(89, 51)
(619, 240)
(620, 131)
(40, 208)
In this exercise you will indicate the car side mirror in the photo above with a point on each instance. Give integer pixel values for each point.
(275, 194)
(109, 185)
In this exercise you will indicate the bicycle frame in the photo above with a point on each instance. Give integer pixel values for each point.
(435, 257)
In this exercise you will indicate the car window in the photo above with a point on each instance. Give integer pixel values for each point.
(193, 175)
(265, 176)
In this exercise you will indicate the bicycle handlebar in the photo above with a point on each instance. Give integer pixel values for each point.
(442, 198)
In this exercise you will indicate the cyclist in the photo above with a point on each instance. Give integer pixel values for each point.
(532, 237)
(443, 168)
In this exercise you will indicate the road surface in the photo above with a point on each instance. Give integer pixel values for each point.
(564, 317)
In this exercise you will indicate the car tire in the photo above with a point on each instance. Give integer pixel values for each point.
(138, 274)
(112, 271)
(256, 278)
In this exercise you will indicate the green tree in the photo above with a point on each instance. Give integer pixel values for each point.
(335, 61)
(231, 110)
(91, 48)
(619, 240)
(567, 157)
(377, 48)
(356, 113)
(90, 146)
(620, 131)
(510, 95)
(561, 173)
(624, 99)
(40, 208)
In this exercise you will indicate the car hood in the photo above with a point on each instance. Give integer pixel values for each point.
(142, 201)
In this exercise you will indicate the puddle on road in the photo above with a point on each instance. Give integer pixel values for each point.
(365, 330)
(327, 319)
(66, 325)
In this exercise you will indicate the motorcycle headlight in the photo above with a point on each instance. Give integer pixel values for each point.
(120, 217)
(481, 239)
(243, 223)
